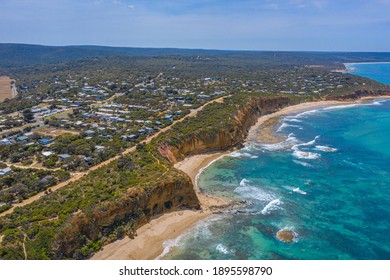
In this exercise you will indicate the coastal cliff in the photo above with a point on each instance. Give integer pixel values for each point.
(231, 133)
(359, 94)
(86, 231)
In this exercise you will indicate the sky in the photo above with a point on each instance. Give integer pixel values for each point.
(296, 25)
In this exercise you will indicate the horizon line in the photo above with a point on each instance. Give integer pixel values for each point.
(189, 48)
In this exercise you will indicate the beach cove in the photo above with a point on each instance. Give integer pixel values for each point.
(162, 233)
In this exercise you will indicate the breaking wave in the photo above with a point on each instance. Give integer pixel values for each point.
(272, 205)
(298, 190)
(326, 149)
(223, 249)
(248, 191)
(285, 125)
(305, 155)
(287, 144)
(305, 164)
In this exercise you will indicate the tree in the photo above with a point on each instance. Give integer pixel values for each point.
(28, 115)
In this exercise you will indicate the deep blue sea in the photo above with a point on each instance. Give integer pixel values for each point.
(328, 182)
(376, 71)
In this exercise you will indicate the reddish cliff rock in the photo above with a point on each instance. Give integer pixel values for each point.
(130, 211)
(232, 135)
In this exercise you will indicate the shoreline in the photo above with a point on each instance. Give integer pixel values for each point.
(149, 241)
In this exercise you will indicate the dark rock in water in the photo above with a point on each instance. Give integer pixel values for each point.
(286, 235)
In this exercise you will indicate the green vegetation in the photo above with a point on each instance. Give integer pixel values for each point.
(24, 183)
(112, 103)
(44, 219)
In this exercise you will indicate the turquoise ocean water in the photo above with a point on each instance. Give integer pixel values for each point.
(376, 71)
(328, 181)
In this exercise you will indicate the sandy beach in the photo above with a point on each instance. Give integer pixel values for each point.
(266, 123)
(149, 242)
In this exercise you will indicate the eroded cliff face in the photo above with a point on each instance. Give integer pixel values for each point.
(359, 94)
(129, 212)
(231, 136)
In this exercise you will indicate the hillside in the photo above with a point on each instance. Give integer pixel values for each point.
(24, 54)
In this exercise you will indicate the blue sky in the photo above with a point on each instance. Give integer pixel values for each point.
(320, 25)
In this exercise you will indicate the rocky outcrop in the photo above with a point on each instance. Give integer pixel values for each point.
(286, 235)
(232, 135)
(128, 213)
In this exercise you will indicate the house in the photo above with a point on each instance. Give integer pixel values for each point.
(129, 138)
(64, 156)
(5, 171)
(22, 138)
(89, 132)
(45, 141)
(47, 153)
(88, 159)
(6, 141)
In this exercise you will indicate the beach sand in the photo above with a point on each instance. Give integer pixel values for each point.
(149, 242)
(263, 130)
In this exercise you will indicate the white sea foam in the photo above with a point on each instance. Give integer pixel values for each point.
(248, 191)
(304, 114)
(200, 230)
(235, 154)
(207, 166)
(294, 189)
(292, 119)
(310, 143)
(285, 125)
(326, 149)
(305, 155)
(375, 102)
(379, 101)
(271, 206)
(171, 243)
(287, 144)
(222, 249)
(305, 164)
(241, 155)
(298, 190)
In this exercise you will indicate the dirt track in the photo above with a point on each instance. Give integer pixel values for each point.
(77, 176)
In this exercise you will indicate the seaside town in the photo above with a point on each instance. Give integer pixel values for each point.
(96, 133)
(194, 139)
(76, 121)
